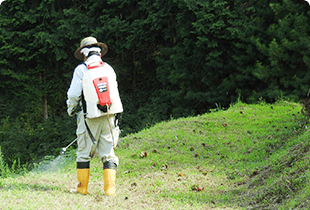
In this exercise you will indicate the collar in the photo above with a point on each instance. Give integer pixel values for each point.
(93, 59)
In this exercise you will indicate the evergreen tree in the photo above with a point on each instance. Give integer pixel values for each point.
(36, 51)
(284, 71)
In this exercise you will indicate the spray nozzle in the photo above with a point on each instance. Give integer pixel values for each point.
(63, 151)
(65, 148)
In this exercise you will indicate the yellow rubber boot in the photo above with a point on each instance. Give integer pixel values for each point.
(83, 177)
(109, 181)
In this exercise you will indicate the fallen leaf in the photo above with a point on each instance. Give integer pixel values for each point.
(255, 172)
(200, 189)
(164, 167)
(194, 187)
(180, 174)
(143, 154)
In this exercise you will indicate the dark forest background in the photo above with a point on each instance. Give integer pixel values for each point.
(173, 58)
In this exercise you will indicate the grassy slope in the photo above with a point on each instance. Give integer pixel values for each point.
(250, 156)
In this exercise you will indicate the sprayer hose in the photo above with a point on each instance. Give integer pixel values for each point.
(108, 118)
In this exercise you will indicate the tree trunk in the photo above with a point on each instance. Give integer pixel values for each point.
(45, 111)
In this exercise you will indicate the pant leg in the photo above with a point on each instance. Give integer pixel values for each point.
(105, 144)
(101, 131)
(85, 145)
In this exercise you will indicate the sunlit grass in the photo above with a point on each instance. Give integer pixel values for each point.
(221, 160)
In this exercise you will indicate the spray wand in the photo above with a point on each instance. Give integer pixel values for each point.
(65, 148)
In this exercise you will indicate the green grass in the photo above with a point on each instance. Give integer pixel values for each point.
(249, 156)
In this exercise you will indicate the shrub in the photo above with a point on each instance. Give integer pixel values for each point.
(27, 141)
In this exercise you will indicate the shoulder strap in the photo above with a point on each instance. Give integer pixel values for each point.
(84, 113)
(89, 133)
(83, 103)
(100, 64)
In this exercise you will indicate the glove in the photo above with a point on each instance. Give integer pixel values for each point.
(72, 106)
(72, 111)
(104, 108)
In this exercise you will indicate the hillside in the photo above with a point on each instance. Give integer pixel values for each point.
(246, 157)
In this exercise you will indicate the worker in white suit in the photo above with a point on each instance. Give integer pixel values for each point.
(97, 124)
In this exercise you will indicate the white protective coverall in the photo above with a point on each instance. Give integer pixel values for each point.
(99, 126)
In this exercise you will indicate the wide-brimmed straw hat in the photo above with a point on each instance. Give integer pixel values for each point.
(90, 42)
